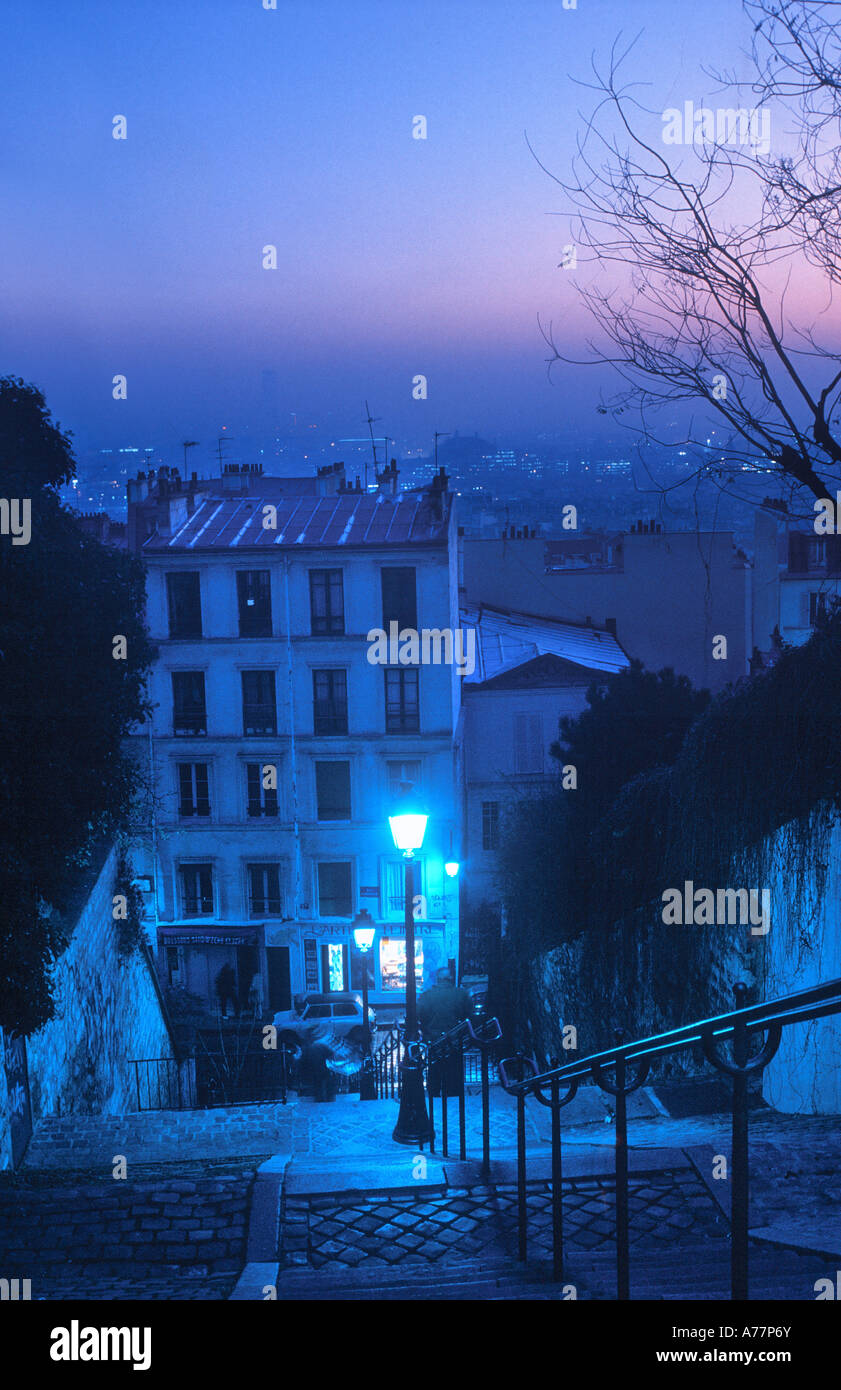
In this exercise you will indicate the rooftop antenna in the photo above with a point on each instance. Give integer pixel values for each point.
(185, 445)
(222, 439)
(440, 434)
(371, 422)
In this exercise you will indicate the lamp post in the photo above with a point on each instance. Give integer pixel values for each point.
(408, 827)
(363, 935)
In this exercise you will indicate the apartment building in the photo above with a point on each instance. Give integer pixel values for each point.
(276, 746)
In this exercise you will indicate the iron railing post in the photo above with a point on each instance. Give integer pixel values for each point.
(739, 1199)
(557, 1186)
(522, 1211)
(462, 1113)
(622, 1233)
(486, 1117)
(444, 1117)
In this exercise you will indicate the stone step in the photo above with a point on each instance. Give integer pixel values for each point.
(466, 1280)
(694, 1271)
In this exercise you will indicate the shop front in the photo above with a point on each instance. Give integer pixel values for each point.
(329, 962)
(221, 965)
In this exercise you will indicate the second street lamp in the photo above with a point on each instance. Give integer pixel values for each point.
(363, 934)
(408, 827)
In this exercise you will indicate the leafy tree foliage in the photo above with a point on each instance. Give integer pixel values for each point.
(66, 703)
(552, 883)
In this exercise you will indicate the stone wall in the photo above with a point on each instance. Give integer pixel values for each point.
(124, 1227)
(107, 1013)
(647, 978)
(642, 977)
(804, 949)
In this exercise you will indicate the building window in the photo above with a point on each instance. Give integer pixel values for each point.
(262, 801)
(259, 711)
(197, 890)
(329, 702)
(393, 889)
(817, 607)
(399, 597)
(332, 791)
(334, 890)
(528, 743)
(400, 773)
(193, 791)
(189, 712)
(401, 700)
(327, 602)
(264, 890)
(183, 593)
(490, 825)
(255, 603)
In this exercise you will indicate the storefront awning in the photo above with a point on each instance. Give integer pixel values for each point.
(187, 935)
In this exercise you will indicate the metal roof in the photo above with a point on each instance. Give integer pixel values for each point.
(507, 640)
(348, 519)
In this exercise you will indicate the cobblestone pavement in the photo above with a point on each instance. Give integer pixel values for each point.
(88, 1283)
(482, 1221)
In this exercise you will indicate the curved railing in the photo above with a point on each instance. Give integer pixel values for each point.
(386, 1060)
(628, 1064)
(467, 1039)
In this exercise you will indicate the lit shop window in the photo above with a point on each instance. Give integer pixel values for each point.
(393, 962)
(335, 963)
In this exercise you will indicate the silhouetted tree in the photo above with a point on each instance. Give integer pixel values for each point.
(636, 721)
(66, 703)
(696, 243)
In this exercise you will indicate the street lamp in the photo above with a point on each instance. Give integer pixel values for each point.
(451, 868)
(363, 935)
(408, 827)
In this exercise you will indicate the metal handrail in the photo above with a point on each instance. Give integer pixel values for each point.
(455, 1043)
(385, 1063)
(630, 1063)
(452, 1041)
(818, 1002)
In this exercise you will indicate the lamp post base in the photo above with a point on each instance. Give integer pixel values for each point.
(413, 1126)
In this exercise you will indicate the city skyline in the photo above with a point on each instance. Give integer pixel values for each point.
(397, 257)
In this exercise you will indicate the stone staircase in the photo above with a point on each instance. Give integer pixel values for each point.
(157, 1136)
(699, 1272)
(696, 1271)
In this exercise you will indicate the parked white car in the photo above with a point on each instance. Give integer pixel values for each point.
(324, 1018)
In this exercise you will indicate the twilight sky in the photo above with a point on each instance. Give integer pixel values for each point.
(247, 127)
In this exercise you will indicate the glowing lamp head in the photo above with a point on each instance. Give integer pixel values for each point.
(451, 868)
(408, 822)
(364, 930)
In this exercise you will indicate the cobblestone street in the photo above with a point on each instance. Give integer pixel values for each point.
(483, 1220)
(352, 1204)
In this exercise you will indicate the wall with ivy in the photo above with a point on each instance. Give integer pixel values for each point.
(803, 948)
(107, 1014)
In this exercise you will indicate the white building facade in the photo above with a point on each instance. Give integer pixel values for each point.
(277, 749)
